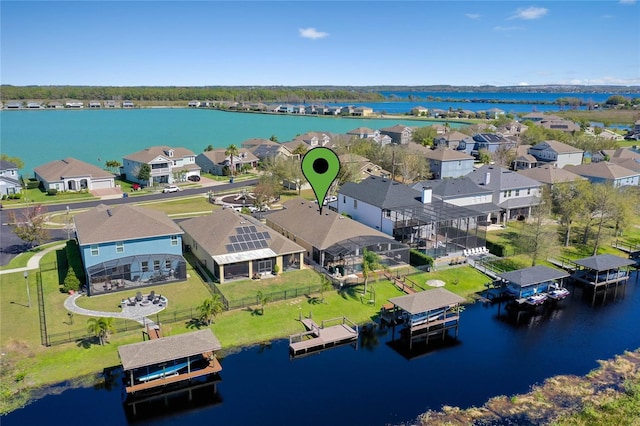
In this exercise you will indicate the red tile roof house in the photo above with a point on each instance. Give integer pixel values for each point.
(168, 165)
(73, 175)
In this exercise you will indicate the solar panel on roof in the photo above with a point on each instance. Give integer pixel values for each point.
(246, 229)
(229, 248)
(239, 230)
(253, 229)
(244, 246)
(237, 247)
(233, 239)
(266, 236)
(251, 245)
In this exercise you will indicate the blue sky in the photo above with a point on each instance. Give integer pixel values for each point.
(161, 43)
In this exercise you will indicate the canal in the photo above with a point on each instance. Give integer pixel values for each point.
(379, 382)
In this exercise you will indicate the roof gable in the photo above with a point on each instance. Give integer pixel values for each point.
(70, 167)
(382, 193)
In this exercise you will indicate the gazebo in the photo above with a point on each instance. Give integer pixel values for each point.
(527, 282)
(601, 271)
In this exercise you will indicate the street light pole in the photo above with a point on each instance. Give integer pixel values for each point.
(26, 283)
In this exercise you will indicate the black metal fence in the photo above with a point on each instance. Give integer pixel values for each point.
(273, 297)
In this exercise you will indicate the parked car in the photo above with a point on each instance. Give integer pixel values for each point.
(171, 188)
(194, 178)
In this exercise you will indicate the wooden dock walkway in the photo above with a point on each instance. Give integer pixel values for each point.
(320, 337)
(565, 264)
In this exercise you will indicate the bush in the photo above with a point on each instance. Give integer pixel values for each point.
(497, 249)
(52, 191)
(74, 260)
(71, 282)
(32, 183)
(417, 258)
(4, 197)
(15, 196)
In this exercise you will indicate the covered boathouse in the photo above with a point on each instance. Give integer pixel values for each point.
(533, 285)
(428, 313)
(159, 362)
(602, 271)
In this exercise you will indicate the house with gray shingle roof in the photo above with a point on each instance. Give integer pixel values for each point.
(558, 153)
(334, 241)
(399, 133)
(125, 247)
(607, 173)
(514, 193)
(449, 163)
(413, 216)
(550, 175)
(216, 161)
(9, 178)
(237, 246)
(70, 174)
(168, 165)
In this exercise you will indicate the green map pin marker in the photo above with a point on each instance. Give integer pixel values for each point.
(321, 167)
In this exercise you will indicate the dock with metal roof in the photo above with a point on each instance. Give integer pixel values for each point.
(601, 272)
(166, 360)
(429, 313)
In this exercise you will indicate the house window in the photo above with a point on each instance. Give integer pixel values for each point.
(517, 192)
(144, 266)
(509, 193)
(156, 265)
(528, 191)
(505, 194)
(95, 251)
(355, 204)
(344, 199)
(174, 240)
(167, 264)
(120, 247)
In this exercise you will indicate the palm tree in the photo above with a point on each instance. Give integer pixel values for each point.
(232, 150)
(210, 308)
(100, 328)
(370, 262)
(326, 285)
(263, 299)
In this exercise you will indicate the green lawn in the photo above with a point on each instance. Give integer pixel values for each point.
(181, 206)
(21, 260)
(464, 280)
(236, 178)
(237, 290)
(39, 196)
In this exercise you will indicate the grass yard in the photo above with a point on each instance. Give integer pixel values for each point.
(237, 290)
(37, 195)
(21, 260)
(181, 206)
(463, 281)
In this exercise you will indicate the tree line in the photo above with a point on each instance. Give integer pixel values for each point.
(211, 93)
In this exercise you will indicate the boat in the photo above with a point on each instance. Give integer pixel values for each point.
(164, 372)
(536, 299)
(558, 293)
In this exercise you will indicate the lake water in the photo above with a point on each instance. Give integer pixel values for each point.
(41, 136)
(380, 382)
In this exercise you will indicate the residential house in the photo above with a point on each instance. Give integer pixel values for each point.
(494, 113)
(413, 216)
(95, 104)
(300, 109)
(360, 167)
(250, 143)
(523, 160)
(363, 111)
(607, 173)
(111, 104)
(9, 178)
(334, 242)
(127, 104)
(363, 132)
(625, 157)
(419, 111)
(514, 193)
(284, 109)
(74, 104)
(537, 117)
(270, 150)
(550, 175)
(125, 247)
(452, 140)
(557, 153)
(14, 104)
(73, 175)
(193, 104)
(168, 165)
(488, 141)
(513, 128)
(448, 163)
(217, 161)
(55, 105)
(567, 126)
(235, 246)
(312, 140)
(34, 105)
(463, 192)
(399, 134)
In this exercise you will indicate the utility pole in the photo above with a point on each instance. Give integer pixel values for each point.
(26, 283)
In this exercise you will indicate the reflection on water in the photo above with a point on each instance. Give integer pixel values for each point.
(498, 352)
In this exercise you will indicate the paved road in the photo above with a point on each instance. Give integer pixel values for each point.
(11, 245)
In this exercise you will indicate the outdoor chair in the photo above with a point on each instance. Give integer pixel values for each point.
(138, 297)
(152, 295)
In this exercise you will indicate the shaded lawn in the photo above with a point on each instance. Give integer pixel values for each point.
(22, 259)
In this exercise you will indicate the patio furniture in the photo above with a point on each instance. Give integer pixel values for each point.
(138, 297)
(151, 296)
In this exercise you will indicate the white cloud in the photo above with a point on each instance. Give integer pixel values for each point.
(523, 83)
(472, 15)
(312, 33)
(530, 13)
(506, 29)
(627, 2)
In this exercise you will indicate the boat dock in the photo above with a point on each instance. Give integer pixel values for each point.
(321, 336)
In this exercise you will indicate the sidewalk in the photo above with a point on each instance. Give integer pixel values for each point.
(34, 262)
